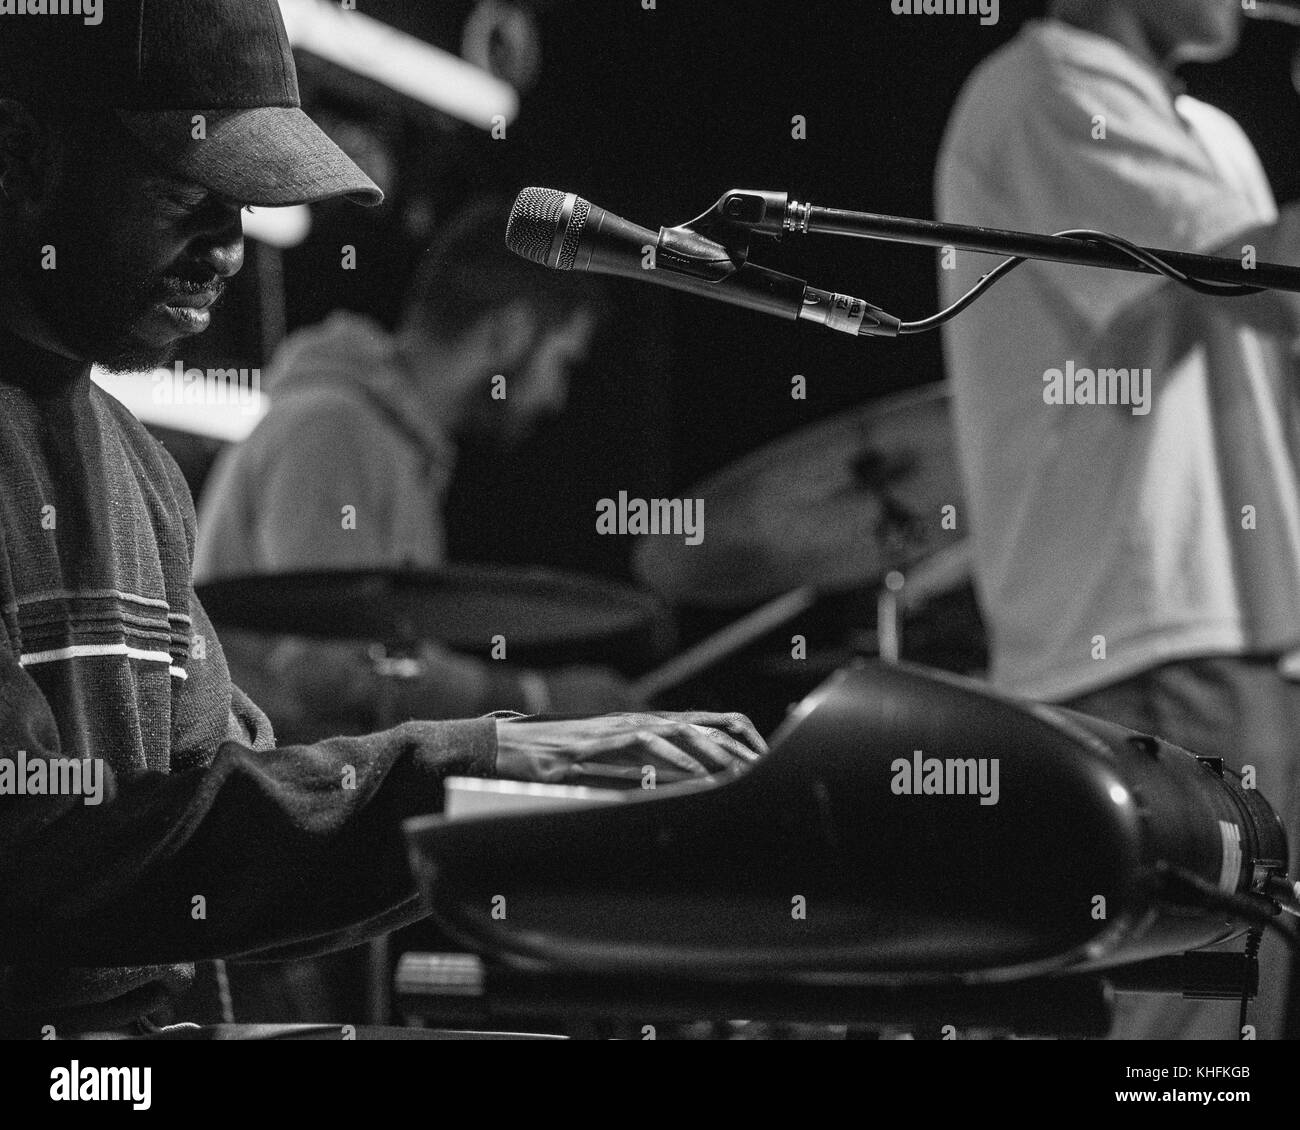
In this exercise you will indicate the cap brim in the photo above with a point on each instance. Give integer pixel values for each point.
(272, 156)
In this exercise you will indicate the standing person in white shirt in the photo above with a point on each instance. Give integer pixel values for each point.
(1139, 560)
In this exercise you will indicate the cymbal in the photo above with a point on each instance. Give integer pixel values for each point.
(836, 506)
(461, 606)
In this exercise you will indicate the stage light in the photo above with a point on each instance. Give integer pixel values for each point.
(401, 62)
(196, 402)
(278, 227)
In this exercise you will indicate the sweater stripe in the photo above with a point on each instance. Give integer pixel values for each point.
(96, 594)
(94, 651)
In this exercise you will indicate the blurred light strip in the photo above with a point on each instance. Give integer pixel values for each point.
(399, 61)
(1285, 13)
(200, 407)
(279, 227)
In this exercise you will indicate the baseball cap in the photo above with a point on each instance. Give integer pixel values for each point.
(209, 87)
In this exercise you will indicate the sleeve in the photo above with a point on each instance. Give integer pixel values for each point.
(256, 851)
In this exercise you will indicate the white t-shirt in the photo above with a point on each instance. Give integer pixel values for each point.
(1108, 541)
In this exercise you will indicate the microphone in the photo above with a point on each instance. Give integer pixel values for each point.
(564, 232)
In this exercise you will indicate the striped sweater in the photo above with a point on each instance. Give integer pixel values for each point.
(207, 841)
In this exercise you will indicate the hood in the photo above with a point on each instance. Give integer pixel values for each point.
(355, 354)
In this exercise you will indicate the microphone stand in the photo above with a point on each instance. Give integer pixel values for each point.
(741, 213)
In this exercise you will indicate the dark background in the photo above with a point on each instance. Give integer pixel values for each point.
(653, 114)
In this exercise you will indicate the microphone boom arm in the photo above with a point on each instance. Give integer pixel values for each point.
(775, 214)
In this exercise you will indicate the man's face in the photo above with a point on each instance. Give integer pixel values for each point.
(1194, 30)
(140, 257)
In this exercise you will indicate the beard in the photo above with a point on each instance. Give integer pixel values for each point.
(125, 349)
(96, 311)
(112, 321)
(129, 354)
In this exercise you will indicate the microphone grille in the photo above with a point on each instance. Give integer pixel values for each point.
(573, 234)
(534, 221)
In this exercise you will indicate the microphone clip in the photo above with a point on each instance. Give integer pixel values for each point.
(715, 245)
(748, 211)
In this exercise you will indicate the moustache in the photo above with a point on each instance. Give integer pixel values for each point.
(180, 291)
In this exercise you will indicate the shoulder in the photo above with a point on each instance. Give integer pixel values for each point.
(1056, 76)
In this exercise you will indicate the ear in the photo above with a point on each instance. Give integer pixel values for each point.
(28, 155)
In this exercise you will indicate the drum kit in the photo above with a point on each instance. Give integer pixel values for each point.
(841, 531)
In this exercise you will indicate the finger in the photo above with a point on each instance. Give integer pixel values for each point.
(637, 748)
(683, 761)
(732, 744)
(736, 725)
(722, 750)
(629, 778)
(718, 750)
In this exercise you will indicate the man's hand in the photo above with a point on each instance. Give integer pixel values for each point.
(620, 746)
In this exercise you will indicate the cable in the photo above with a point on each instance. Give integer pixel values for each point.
(1253, 908)
(1140, 254)
(1286, 892)
(933, 323)
(1152, 260)
(223, 992)
(1253, 939)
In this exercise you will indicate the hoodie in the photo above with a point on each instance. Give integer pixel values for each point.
(346, 471)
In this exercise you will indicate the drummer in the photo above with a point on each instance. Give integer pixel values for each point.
(350, 468)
